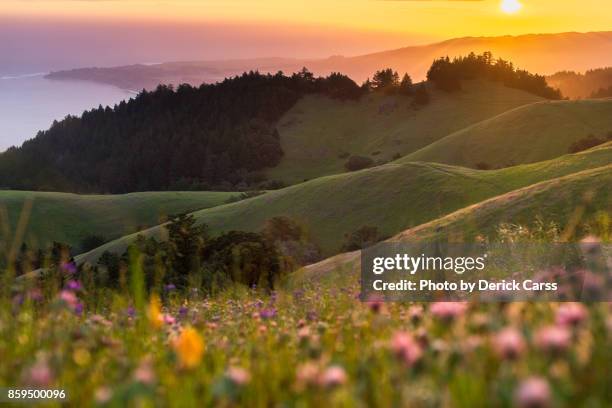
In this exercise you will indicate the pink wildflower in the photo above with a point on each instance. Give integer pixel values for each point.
(534, 392)
(334, 376)
(405, 347)
(509, 343)
(448, 311)
(571, 314)
(553, 338)
(238, 375)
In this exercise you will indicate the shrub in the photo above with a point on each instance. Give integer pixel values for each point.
(421, 95)
(585, 143)
(244, 195)
(91, 242)
(362, 238)
(358, 163)
(483, 166)
(244, 257)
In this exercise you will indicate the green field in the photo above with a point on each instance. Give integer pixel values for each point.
(566, 201)
(69, 218)
(392, 197)
(317, 130)
(527, 134)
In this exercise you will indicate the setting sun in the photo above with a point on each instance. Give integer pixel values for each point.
(511, 6)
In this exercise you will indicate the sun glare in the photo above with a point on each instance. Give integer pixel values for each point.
(511, 6)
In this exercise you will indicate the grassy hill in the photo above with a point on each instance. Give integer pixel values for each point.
(565, 200)
(527, 134)
(69, 218)
(392, 197)
(317, 130)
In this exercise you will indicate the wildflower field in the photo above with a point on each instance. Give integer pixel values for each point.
(309, 343)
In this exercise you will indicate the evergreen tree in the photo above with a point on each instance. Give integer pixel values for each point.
(405, 87)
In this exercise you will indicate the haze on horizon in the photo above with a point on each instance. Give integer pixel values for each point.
(59, 34)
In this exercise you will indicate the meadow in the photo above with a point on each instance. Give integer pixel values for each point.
(411, 194)
(310, 342)
(70, 218)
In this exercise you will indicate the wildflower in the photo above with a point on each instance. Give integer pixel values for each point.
(130, 311)
(169, 319)
(81, 356)
(304, 332)
(307, 373)
(154, 312)
(571, 314)
(39, 374)
(415, 313)
(334, 376)
(375, 304)
(170, 287)
(509, 343)
(78, 308)
(534, 392)
(553, 338)
(103, 395)
(267, 313)
(448, 311)
(238, 375)
(68, 297)
(182, 312)
(189, 347)
(144, 372)
(74, 285)
(405, 347)
(69, 268)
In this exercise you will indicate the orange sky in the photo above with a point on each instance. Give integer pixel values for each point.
(432, 19)
(60, 34)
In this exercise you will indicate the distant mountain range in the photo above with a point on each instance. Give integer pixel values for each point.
(542, 53)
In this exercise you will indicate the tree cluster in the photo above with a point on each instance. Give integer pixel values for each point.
(592, 84)
(190, 257)
(447, 74)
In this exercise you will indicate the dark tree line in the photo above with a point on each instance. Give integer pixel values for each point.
(213, 136)
(447, 74)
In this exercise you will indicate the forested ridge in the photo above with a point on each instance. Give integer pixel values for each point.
(212, 137)
(215, 136)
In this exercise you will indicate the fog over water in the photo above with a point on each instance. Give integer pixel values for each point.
(29, 103)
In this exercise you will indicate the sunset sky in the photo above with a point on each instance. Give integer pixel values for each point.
(126, 31)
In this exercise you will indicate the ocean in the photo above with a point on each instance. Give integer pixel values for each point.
(29, 103)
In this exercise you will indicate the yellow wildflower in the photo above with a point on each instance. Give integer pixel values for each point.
(154, 312)
(189, 346)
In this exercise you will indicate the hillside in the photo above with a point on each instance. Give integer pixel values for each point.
(212, 137)
(527, 134)
(564, 51)
(68, 218)
(565, 200)
(316, 132)
(392, 197)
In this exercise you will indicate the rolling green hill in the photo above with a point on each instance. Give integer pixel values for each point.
(392, 197)
(69, 218)
(564, 200)
(317, 131)
(526, 134)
